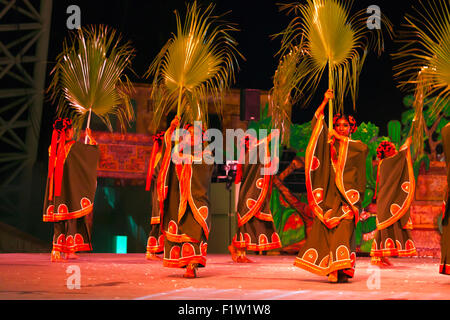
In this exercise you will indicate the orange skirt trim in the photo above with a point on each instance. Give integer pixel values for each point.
(67, 216)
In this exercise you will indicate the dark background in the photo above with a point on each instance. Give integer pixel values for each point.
(148, 25)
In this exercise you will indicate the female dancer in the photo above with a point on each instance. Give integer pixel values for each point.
(70, 191)
(184, 185)
(256, 229)
(335, 180)
(444, 267)
(395, 192)
(155, 241)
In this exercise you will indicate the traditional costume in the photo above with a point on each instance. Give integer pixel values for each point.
(335, 181)
(155, 241)
(444, 266)
(186, 219)
(256, 229)
(394, 194)
(70, 190)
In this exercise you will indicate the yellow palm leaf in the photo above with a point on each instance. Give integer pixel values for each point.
(423, 62)
(198, 62)
(284, 93)
(88, 76)
(329, 38)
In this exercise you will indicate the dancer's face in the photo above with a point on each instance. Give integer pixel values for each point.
(342, 127)
(69, 134)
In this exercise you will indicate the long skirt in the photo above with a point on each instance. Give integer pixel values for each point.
(257, 235)
(155, 241)
(444, 266)
(72, 235)
(327, 250)
(181, 246)
(393, 241)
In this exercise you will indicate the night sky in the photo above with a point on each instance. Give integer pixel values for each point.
(149, 24)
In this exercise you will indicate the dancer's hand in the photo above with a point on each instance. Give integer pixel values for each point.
(89, 135)
(408, 141)
(333, 134)
(328, 95)
(175, 122)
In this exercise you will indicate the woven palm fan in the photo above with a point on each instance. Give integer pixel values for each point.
(197, 64)
(423, 63)
(284, 93)
(330, 38)
(88, 78)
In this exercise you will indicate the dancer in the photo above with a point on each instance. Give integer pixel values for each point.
(186, 219)
(256, 229)
(394, 194)
(70, 190)
(444, 266)
(335, 181)
(155, 241)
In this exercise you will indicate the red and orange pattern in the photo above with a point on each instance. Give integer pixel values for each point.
(71, 244)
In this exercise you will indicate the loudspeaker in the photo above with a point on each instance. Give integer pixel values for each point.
(250, 104)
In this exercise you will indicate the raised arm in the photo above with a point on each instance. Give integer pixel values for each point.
(326, 98)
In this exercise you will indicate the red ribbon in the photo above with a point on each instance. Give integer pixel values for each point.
(157, 142)
(56, 158)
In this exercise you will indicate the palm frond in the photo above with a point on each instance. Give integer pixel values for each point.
(423, 62)
(284, 93)
(331, 40)
(197, 63)
(88, 75)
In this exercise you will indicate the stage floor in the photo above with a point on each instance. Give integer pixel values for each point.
(131, 277)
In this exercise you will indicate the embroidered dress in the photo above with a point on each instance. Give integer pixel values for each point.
(155, 241)
(396, 187)
(256, 229)
(444, 266)
(183, 189)
(335, 186)
(69, 197)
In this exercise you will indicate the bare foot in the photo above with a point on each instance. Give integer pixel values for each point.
(381, 262)
(71, 255)
(191, 271)
(243, 259)
(233, 252)
(56, 256)
(386, 262)
(152, 256)
(333, 277)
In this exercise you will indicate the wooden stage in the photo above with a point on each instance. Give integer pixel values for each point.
(96, 276)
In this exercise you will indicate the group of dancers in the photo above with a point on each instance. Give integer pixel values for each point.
(180, 211)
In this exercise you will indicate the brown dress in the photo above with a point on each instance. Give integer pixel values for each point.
(335, 187)
(256, 229)
(396, 187)
(71, 209)
(444, 267)
(155, 240)
(186, 219)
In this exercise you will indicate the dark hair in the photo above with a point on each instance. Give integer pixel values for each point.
(62, 124)
(350, 120)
